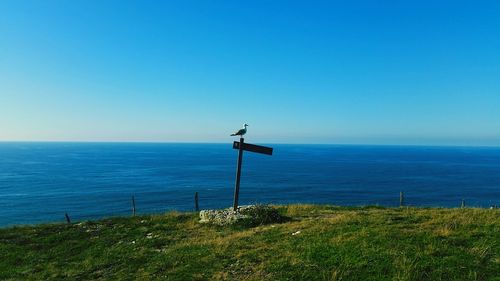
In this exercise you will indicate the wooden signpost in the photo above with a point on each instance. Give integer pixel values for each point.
(241, 145)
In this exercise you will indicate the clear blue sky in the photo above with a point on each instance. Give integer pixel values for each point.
(373, 72)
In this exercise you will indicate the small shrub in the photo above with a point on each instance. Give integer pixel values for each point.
(261, 214)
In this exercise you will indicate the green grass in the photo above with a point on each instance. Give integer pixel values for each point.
(334, 243)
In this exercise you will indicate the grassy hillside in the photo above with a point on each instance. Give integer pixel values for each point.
(319, 243)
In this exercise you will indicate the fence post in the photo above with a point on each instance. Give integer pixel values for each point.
(133, 205)
(196, 206)
(68, 220)
(401, 199)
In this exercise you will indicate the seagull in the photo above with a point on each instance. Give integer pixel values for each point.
(241, 131)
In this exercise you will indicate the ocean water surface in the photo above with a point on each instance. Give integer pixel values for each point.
(40, 182)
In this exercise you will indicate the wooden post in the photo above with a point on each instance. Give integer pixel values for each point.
(68, 220)
(133, 205)
(463, 204)
(401, 199)
(238, 176)
(196, 206)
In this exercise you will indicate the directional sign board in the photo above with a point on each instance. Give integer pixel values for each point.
(243, 146)
(254, 148)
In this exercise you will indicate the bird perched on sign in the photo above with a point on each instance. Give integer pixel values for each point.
(241, 131)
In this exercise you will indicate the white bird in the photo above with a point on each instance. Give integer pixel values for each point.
(241, 131)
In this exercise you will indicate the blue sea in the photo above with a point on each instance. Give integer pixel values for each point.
(40, 182)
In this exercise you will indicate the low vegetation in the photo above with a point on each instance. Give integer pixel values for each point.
(315, 243)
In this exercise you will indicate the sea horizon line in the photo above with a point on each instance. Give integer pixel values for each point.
(264, 142)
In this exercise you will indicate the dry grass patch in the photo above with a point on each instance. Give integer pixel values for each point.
(300, 210)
